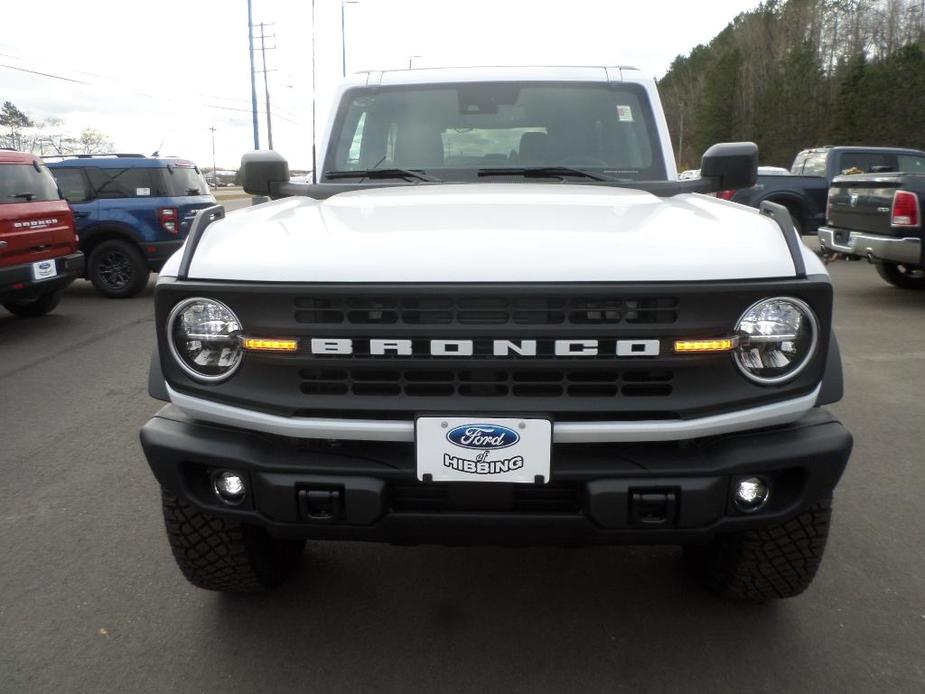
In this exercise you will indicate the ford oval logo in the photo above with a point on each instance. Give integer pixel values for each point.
(482, 436)
(45, 266)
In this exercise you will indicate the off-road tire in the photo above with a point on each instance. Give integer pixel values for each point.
(778, 561)
(117, 269)
(222, 555)
(902, 276)
(31, 308)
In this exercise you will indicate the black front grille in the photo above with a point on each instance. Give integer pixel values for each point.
(402, 350)
(555, 497)
(485, 310)
(487, 383)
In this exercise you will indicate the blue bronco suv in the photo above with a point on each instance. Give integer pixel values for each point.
(132, 212)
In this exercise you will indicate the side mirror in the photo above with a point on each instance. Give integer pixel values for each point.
(730, 165)
(263, 169)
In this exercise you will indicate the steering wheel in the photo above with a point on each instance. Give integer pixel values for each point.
(583, 161)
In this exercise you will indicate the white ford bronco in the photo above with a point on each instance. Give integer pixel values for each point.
(498, 317)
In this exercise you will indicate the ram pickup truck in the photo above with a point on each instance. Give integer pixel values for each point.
(804, 192)
(879, 217)
(498, 317)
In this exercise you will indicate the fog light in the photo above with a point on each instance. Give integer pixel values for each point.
(229, 486)
(751, 494)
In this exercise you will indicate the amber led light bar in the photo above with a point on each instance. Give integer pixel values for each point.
(269, 344)
(722, 344)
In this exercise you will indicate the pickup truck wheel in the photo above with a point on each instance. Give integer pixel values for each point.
(902, 276)
(117, 269)
(222, 555)
(30, 308)
(778, 561)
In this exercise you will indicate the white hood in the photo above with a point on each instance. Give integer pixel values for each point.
(493, 232)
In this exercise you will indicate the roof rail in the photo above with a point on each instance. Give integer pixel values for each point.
(118, 155)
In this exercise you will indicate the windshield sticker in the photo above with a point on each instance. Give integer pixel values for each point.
(625, 114)
(142, 192)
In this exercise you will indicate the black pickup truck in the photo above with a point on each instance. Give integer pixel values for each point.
(804, 192)
(879, 217)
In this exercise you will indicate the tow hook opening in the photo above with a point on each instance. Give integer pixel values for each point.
(321, 505)
(651, 508)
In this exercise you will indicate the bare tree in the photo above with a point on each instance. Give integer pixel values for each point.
(92, 141)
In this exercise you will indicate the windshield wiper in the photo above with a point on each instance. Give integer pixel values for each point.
(27, 196)
(381, 173)
(545, 172)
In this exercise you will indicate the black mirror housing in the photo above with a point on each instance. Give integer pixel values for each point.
(731, 165)
(262, 170)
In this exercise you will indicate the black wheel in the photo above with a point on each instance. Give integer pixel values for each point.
(217, 554)
(779, 561)
(902, 276)
(37, 306)
(117, 269)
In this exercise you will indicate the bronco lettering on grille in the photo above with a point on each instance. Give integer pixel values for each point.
(499, 348)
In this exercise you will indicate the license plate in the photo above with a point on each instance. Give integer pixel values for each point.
(44, 269)
(487, 449)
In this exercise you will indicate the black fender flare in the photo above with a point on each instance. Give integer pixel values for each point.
(833, 384)
(157, 386)
(88, 236)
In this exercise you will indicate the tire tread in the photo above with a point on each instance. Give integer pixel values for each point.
(779, 561)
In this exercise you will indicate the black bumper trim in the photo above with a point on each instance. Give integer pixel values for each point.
(804, 460)
(69, 267)
(162, 250)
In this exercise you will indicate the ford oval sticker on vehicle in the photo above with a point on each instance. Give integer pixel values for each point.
(482, 436)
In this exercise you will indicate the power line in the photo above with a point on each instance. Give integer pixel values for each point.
(31, 59)
(141, 94)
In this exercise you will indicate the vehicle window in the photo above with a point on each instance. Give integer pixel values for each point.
(73, 184)
(815, 164)
(24, 183)
(911, 163)
(353, 155)
(798, 161)
(180, 181)
(468, 127)
(864, 162)
(123, 183)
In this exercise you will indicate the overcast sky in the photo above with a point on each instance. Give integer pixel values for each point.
(157, 75)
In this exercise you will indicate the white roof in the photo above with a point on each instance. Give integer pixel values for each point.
(514, 73)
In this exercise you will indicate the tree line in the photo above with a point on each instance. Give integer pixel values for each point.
(48, 137)
(793, 74)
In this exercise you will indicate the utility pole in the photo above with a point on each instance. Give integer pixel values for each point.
(314, 150)
(266, 85)
(214, 169)
(250, 43)
(343, 35)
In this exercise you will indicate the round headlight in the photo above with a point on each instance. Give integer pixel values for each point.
(205, 338)
(777, 338)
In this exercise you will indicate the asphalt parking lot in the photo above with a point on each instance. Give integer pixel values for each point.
(91, 601)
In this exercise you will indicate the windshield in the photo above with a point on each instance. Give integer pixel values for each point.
(455, 131)
(23, 183)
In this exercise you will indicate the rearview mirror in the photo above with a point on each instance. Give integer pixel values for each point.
(731, 165)
(261, 170)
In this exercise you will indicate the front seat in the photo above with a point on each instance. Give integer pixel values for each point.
(418, 148)
(534, 148)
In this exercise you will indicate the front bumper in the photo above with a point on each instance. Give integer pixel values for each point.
(598, 493)
(17, 281)
(905, 251)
